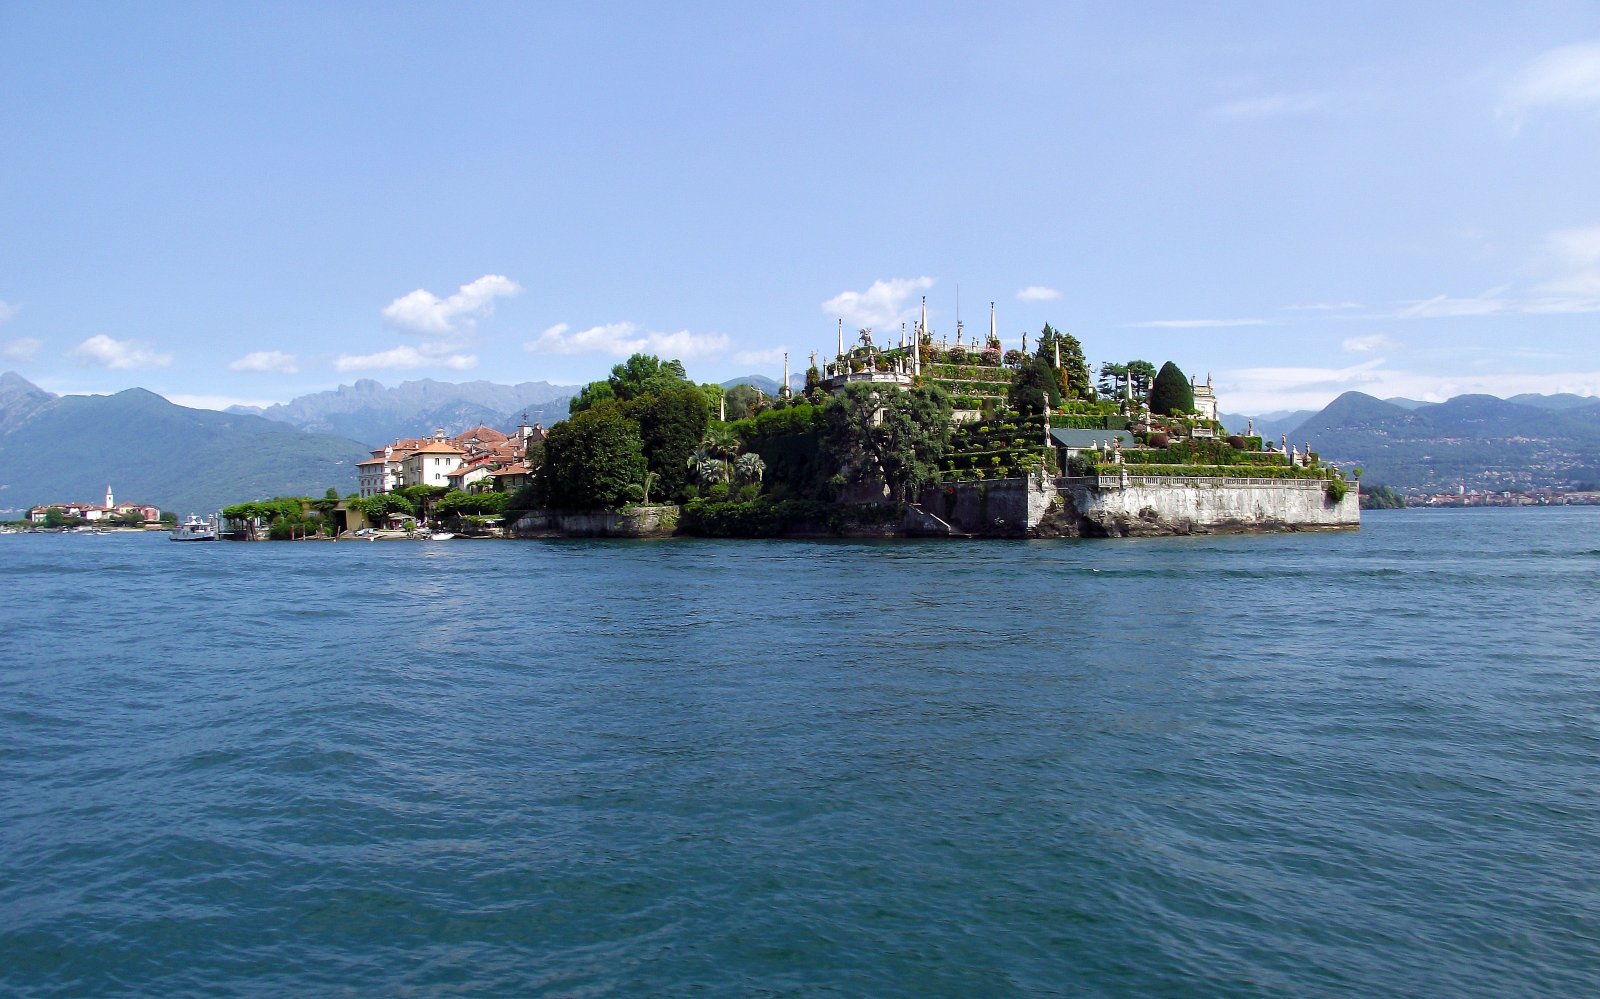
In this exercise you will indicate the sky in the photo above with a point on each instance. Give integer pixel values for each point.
(230, 203)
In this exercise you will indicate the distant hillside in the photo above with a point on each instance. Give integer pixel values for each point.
(1268, 425)
(374, 414)
(1561, 400)
(148, 450)
(19, 399)
(1476, 441)
(769, 386)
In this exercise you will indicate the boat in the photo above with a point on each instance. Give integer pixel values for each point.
(440, 536)
(195, 529)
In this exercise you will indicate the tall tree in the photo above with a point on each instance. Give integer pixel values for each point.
(742, 401)
(672, 423)
(591, 461)
(1172, 393)
(1034, 387)
(1142, 372)
(1073, 375)
(644, 373)
(887, 434)
(1111, 375)
(591, 395)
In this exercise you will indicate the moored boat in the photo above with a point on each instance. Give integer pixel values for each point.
(195, 529)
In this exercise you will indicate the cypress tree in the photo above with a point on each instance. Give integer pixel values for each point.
(1172, 393)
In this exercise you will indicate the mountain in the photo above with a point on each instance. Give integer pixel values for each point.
(19, 399)
(374, 414)
(1476, 441)
(1268, 425)
(69, 448)
(1405, 403)
(1561, 400)
(1357, 411)
(768, 386)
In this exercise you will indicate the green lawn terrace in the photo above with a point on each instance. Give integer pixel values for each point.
(1095, 436)
(976, 378)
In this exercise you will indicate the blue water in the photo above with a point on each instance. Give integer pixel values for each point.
(1358, 764)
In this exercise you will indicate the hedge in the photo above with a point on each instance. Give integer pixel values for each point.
(1215, 471)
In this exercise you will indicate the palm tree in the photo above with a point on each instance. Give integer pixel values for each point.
(711, 471)
(749, 467)
(710, 462)
(720, 442)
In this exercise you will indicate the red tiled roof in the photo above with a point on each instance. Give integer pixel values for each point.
(485, 434)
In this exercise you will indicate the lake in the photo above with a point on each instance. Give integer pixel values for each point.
(1355, 764)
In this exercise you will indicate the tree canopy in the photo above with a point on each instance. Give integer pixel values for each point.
(896, 436)
(1172, 393)
(1073, 377)
(379, 506)
(742, 401)
(591, 395)
(644, 373)
(1112, 374)
(591, 460)
(672, 423)
(1034, 387)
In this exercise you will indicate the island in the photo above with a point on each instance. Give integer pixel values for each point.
(917, 436)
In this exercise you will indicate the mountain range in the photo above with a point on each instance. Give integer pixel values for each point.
(1472, 441)
(374, 414)
(70, 448)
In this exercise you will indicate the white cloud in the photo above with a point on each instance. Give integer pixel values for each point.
(1572, 256)
(1187, 324)
(1368, 343)
(623, 339)
(772, 358)
(103, 352)
(424, 313)
(1441, 306)
(404, 357)
(880, 306)
(1576, 258)
(266, 361)
(22, 349)
(1561, 306)
(1037, 293)
(1566, 76)
(1270, 106)
(8, 311)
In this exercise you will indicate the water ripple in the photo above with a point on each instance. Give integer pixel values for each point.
(1340, 765)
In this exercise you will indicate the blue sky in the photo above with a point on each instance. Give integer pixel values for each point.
(247, 203)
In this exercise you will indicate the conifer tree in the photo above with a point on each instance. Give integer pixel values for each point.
(1172, 394)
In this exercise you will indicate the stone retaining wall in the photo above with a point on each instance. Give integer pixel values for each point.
(634, 522)
(1139, 506)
